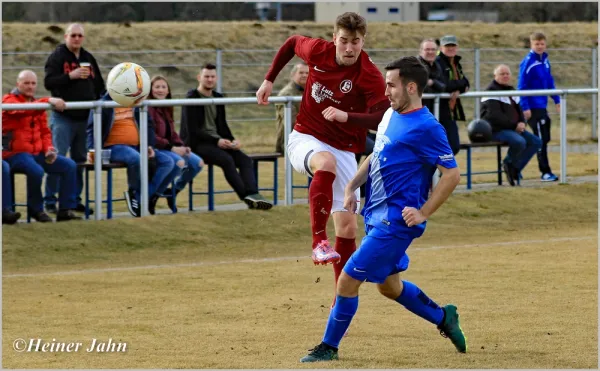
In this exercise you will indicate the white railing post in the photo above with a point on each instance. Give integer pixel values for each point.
(595, 96)
(219, 63)
(436, 107)
(98, 160)
(287, 127)
(477, 57)
(563, 138)
(144, 158)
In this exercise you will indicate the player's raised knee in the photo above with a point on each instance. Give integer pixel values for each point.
(324, 161)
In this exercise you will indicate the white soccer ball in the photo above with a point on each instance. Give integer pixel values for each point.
(128, 84)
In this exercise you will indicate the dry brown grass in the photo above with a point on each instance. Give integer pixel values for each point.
(528, 302)
(244, 70)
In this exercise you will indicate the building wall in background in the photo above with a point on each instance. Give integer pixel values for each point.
(372, 11)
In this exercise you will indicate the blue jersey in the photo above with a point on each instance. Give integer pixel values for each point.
(535, 74)
(408, 148)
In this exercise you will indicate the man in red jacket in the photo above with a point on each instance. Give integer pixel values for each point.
(344, 96)
(27, 148)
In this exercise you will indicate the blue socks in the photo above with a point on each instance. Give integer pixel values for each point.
(339, 319)
(415, 300)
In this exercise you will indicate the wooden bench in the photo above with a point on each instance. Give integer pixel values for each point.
(469, 146)
(256, 158)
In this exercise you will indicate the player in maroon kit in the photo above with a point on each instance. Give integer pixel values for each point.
(343, 86)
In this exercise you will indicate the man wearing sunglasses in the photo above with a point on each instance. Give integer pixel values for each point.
(72, 74)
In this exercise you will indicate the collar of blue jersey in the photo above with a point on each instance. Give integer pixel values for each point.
(537, 56)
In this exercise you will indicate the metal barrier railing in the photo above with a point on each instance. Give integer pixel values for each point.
(97, 107)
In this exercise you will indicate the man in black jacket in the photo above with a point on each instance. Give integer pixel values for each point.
(508, 125)
(435, 84)
(451, 110)
(72, 74)
(204, 129)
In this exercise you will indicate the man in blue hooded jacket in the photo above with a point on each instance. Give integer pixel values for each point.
(535, 74)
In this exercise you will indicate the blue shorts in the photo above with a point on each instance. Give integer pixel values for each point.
(379, 256)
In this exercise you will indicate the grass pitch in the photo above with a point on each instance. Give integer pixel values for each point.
(238, 290)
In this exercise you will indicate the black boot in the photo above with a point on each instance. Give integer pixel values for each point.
(65, 215)
(170, 199)
(41, 217)
(9, 216)
(152, 204)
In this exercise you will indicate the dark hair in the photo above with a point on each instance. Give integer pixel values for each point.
(209, 66)
(156, 78)
(410, 69)
(429, 40)
(351, 22)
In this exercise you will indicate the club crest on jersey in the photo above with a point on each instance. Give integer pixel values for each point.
(346, 86)
(319, 93)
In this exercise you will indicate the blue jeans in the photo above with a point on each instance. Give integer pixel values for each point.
(6, 187)
(34, 167)
(66, 133)
(188, 172)
(130, 156)
(521, 147)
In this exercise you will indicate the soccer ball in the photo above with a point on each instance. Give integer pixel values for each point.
(128, 84)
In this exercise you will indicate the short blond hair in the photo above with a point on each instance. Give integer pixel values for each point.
(537, 36)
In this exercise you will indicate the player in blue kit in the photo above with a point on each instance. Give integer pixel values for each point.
(410, 145)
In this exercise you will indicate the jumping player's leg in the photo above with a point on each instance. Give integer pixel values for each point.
(313, 158)
(345, 224)
(320, 195)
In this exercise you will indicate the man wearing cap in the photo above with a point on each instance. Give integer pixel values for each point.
(451, 110)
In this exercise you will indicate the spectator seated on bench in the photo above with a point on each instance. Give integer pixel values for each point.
(27, 148)
(204, 129)
(120, 134)
(168, 142)
(508, 125)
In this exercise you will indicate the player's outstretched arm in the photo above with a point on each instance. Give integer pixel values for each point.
(292, 46)
(264, 92)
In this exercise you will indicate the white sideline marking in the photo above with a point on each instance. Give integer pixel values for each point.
(265, 260)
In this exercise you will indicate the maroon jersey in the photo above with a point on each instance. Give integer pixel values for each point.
(352, 89)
